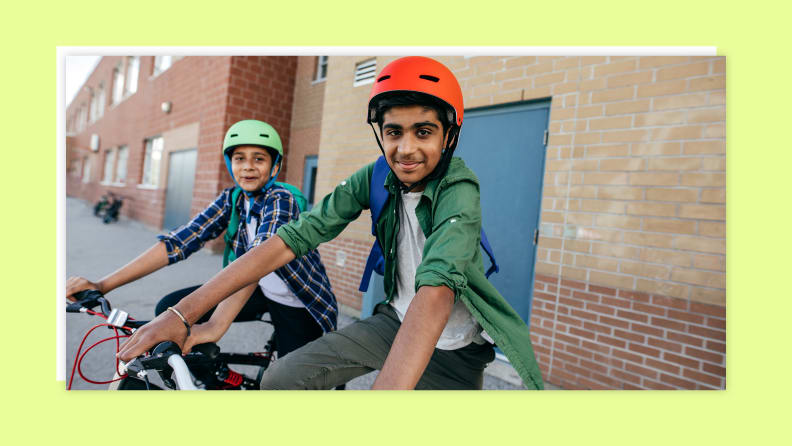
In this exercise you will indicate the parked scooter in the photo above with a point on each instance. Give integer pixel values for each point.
(111, 213)
(108, 207)
(103, 203)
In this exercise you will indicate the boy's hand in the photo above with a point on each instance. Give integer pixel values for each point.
(165, 327)
(75, 284)
(200, 334)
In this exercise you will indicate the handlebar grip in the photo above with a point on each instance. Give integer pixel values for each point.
(166, 348)
(88, 295)
(89, 299)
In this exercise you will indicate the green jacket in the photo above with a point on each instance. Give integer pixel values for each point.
(450, 216)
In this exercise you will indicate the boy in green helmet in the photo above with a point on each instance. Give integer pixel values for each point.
(297, 295)
(435, 326)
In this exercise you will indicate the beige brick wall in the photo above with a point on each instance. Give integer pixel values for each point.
(634, 189)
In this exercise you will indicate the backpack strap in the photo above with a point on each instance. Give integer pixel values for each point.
(302, 202)
(233, 223)
(378, 196)
(494, 268)
(233, 226)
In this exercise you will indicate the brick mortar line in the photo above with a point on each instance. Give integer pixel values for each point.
(634, 276)
(648, 304)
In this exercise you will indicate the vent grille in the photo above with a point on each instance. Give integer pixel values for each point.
(365, 72)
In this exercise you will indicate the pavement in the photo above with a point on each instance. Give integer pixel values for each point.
(94, 249)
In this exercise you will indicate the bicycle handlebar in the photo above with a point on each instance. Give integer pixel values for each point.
(164, 354)
(90, 299)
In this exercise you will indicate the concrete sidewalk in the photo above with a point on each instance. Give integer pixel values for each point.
(94, 249)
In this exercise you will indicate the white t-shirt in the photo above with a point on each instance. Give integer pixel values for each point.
(271, 285)
(462, 328)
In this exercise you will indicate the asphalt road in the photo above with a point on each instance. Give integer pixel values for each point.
(94, 249)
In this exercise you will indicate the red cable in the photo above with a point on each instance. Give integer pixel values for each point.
(78, 358)
(77, 355)
(79, 369)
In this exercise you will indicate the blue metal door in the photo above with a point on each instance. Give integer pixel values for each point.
(505, 148)
(178, 196)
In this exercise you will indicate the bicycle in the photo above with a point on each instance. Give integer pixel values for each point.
(204, 368)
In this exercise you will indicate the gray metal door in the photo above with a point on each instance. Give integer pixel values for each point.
(505, 148)
(178, 196)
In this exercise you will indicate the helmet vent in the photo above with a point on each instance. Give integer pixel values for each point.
(263, 135)
(233, 135)
(386, 77)
(429, 78)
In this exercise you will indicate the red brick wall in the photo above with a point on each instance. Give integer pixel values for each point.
(593, 337)
(211, 91)
(196, 88)
(262, 88)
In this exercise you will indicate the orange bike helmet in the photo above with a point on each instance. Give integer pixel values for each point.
(421, 75)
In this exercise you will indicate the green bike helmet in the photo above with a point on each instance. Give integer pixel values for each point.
(251, 132)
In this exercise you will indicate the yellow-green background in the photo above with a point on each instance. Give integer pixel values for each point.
(755, 407)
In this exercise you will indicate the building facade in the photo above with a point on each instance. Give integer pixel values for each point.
(602, 185)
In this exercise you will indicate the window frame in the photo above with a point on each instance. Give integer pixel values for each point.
(310, 172)
(320, 71)
(117, 179)
(109, 171)
(148, 159)
(86, 169)
(119, 78)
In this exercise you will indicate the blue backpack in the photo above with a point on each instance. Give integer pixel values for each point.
(378, 196)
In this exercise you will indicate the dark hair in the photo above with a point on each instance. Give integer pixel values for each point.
(407, 98)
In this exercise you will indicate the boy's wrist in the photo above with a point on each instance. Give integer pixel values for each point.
(205, 332)
(102, 287)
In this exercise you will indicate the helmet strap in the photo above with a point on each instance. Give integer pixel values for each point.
(272, 169)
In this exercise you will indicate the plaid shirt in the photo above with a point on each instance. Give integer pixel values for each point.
(305, 276)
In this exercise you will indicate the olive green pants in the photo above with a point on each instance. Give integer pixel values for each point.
(362, 347)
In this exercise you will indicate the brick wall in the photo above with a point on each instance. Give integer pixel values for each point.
(594, 337)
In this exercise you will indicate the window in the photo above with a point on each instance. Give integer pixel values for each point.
(92, 105)
(108, 167)
(118, 84)
(86, 169)
(75, 168)
(100, 101)
(151, 163)
(133, 68)
(82, 117)
(162, 63)
(365, 72)
(309, 180)
(97, 103)
(321, 68)
(121, 166)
